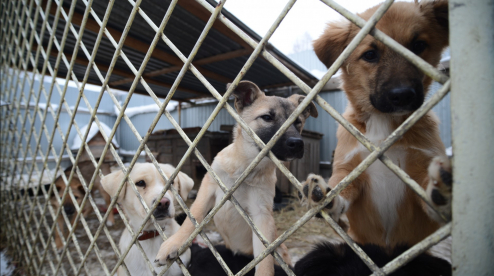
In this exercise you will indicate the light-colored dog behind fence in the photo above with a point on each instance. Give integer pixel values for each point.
(149, 184)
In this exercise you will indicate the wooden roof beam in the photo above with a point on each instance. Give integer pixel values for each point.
(104, 67)
(200, 12)
(167, 70)
(140, 46)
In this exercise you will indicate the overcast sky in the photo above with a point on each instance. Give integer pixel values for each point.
(306, 16)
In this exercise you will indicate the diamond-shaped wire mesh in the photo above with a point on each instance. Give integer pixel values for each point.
(32, 221)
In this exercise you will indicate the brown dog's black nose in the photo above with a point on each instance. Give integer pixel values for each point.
(402, 96)
(69, 209)
(295, 144)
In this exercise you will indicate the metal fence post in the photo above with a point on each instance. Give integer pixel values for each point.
(472, 108)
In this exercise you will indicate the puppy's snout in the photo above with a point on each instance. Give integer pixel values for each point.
(295, 144)
(402, 96)
(69, 209)
(164, 203)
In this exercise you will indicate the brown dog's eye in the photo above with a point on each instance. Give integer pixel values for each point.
(141, 183)
(418, 47)
(267, 118)
(370, 56)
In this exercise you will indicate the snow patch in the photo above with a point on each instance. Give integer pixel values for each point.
(130, 152)
(151, 108)
(92, 132)
(44, 105)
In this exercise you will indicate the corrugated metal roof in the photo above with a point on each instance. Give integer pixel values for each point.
(183, 29)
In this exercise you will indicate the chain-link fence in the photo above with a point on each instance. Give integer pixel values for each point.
(33, 45)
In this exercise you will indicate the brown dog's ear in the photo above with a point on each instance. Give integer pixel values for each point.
(332, 42)
(437, 14)
(310, 110)
(111, 182)
(245, 94)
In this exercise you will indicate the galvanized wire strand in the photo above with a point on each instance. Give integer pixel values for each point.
(13, 41)
(119, 117)
(91, 59)
(31, 204)
(32, 129)
(48, 99)
(87, 103)
(32, 207)
(87, 149)
(72, 8)
(418, 249)
(60, 48)
(66, 183)
(44, 244)
(23, 43)
(20, 59)
(30, 44)
(28, 49)
(423, 65)
(67, 133)
(12, 96)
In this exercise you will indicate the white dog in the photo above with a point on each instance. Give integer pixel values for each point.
(150, 184)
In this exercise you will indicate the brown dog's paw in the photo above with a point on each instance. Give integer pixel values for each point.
(168, 252)
(439, 189)
(320, 188)
(318, 185)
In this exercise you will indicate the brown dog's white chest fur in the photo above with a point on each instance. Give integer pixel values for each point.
(387, 190)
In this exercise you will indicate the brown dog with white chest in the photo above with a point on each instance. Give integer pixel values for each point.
(383, 89)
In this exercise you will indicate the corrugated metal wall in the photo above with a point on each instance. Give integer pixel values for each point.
(196, 117)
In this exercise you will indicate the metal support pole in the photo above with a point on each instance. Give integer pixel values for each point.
(472, 110)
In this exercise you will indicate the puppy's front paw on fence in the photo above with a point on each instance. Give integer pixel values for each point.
(168, 251)
(439, 189)
(317, 187)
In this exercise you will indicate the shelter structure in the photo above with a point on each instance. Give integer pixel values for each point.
(219, 59)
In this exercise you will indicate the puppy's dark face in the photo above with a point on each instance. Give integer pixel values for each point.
(266, 114)
(77, 190)
(377, 79)
(269, 120)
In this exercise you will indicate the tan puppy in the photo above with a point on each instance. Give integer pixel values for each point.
(264, 115)
(87, 170)
(383, 89)
(150, 184)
